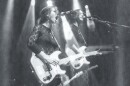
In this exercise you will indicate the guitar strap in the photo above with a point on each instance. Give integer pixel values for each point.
(52, 33)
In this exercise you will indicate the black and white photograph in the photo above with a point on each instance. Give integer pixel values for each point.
(64, 42)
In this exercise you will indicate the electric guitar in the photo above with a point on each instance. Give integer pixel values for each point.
(46, 76)
(77, 63)
(79, 74)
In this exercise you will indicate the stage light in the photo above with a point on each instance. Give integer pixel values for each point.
(6, 36)
(68, 34)
(28, 23)
(90, 22)
(33, 2)
(66, 28)
(76, 5)
(49, 3)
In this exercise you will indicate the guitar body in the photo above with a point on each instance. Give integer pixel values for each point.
(78, 62)
(40, 72)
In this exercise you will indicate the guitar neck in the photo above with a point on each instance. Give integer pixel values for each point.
(67, 59)
(90, 53)
(64, 61)
(74, 77)
(73, 57)
(80, 73)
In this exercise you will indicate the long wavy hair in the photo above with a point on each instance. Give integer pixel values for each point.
(44, 14)
(72, 16)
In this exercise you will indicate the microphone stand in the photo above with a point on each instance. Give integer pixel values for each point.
(108, 23)
(96, 19)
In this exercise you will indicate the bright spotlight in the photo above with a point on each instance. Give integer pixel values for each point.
(33, 2)
(69, 36)
(49, 3)
(76, 5)
(6, 41)
(66, 28)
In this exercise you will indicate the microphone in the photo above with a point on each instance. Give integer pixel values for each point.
(84, 16)
(89, 17)
(63, 14)
(67, 12)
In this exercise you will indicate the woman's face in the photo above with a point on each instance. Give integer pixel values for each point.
(53, 14)
(80, 15)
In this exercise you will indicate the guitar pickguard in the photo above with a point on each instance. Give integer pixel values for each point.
(43, 74)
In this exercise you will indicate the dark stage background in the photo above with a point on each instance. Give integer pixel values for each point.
(114, 68)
